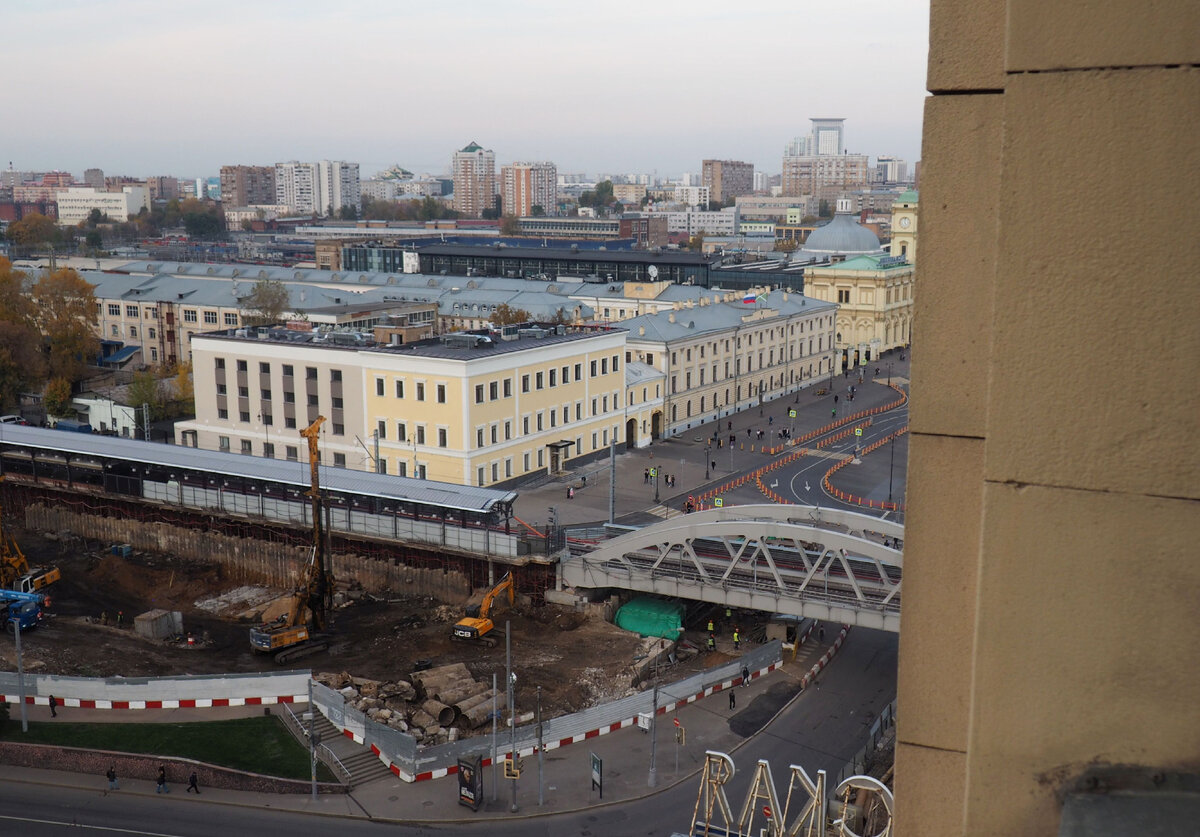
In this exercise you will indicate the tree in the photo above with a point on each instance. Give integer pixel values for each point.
(785, 245)
(145, 388)
(184, 392)
(266, 304)
(94, 218)
(510, 225)
(696, 242)
(66, 310)
(22, 364)
(537, 211)
(348, 213)
(823, 208)
(57, 398)
(203, 225)
(33, 229)
(94, 240)
(506, 315)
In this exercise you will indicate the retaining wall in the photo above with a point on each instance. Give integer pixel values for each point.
(186, 691)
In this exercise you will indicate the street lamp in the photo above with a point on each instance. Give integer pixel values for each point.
(707, 448)
(657, 475)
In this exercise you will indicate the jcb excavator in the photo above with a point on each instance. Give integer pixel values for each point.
(300, 631)
(15, 573)
(477, 625)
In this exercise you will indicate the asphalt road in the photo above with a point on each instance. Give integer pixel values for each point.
(816, 730)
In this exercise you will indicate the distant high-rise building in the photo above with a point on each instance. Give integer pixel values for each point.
(247, 185)
(162, 188)
(813, 174)
(727, 179)
(827, 137)
(891, 169)
(94, 178)
(798, 147)
(322, 188)
(526, 185)
(474, 180)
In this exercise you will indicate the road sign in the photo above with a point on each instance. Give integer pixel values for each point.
(858, 431)
(767, 811)
(791, 413)
(598, 774)
(719, 502)
(654, 472)
(676, 722)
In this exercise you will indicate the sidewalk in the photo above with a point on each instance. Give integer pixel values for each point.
(567, 786)
(683, 456)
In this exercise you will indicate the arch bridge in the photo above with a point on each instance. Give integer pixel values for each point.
(805, 561)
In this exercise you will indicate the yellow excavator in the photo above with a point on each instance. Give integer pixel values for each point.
(15, 572)
(300, 631)
(477, 625)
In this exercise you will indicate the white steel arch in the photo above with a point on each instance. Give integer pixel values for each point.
(800, 560)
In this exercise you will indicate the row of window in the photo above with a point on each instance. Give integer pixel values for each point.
(289, 371)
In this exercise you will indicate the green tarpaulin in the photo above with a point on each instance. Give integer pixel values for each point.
(652, 617)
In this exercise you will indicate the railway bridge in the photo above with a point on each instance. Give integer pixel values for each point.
(805, 561)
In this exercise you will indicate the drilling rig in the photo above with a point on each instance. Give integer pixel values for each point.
(15, 572)
(302, 630)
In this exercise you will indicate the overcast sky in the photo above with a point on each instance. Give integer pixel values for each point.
(144, 87)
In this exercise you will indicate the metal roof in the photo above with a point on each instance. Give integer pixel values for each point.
(366, 483)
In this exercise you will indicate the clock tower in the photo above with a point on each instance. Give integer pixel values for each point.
(904, 226)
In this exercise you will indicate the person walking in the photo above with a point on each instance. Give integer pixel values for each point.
(53, 706)
(162, 780)
(732, 700)
(645, 476)
(710, 625)
(111, 775)
(737, 639)
(192, 784)
(712, 642)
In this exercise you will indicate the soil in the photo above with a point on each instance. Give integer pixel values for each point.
(577, 661)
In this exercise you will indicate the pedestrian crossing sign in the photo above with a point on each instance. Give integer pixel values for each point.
(791, 413)
(858, 431)
(719, 502)
(654, 472)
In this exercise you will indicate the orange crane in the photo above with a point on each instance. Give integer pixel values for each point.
(477, 625)
(15, 572)
(301, 630)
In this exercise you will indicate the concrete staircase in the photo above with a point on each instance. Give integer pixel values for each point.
(355, 764)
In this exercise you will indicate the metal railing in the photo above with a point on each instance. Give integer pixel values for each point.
(296, 726)
(862, 759)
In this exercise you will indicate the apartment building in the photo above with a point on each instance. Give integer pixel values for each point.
(471, 409)
(727, 179)
(321, 188)
(816, 174)
(247, 185)
(526, 185)
(474, 170)
(76, 203)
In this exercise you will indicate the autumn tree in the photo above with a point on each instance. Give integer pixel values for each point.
(66, 313)
(33, 229)
(266, 304)
(510, 225)
(184, 392)
(146, 388)
(57, 398)
(22, 364)
(507, 315)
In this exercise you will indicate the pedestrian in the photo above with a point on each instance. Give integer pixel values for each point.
(833, 413)
(731, 425)
(770, 420)
(111, 775)
(162, 780)
(747, 432)
(714, 464)
(710, 626)
(120, 616)
(732, 440)
(737, 639)
(570, 493)
(645, 476)
(732, 700)
(745, 676)
(53, 706)
(192, 784)
(821, 634)
(712, 642)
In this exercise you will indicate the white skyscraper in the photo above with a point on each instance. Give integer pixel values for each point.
(321, 188)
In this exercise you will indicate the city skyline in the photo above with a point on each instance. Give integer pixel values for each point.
(621, 93)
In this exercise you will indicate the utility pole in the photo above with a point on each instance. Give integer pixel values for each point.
(512, 715)
(378, 461)
(312, 739)
(146, 421)
(21, 675)
(495, 781)
(541, 793)
(612, 480)
(653, 780)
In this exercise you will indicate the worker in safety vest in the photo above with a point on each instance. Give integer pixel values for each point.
(737, 639)
(710, 626)
(712, 643)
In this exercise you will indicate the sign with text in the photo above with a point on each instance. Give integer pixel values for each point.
(470, 782)
(598, 774)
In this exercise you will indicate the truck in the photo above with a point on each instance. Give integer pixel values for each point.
(477, 625)
(20, 609)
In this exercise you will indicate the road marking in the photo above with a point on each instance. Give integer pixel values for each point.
(91, 827)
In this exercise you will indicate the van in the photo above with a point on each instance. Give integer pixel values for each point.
(74, 426)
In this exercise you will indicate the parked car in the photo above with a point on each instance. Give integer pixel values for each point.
(12, 420)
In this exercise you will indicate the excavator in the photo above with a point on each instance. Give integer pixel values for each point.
(301, 630)
(477, 625)
(15, 572)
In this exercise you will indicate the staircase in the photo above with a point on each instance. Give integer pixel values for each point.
(353, 764)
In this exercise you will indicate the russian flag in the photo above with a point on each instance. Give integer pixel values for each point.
(750, 298)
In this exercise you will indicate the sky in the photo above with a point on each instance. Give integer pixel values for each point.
(145, 87)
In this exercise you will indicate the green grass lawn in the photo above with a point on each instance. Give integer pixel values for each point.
(257, 745)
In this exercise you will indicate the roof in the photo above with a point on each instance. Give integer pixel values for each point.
(870, 262)
(472, 147)
(842, 235)
(435, 348)
(910, 196)
(566, 254)
(690, 322)
(637, 372)
(447, 495)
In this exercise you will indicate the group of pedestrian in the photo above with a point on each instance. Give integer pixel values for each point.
(667, 479)
(160, 784)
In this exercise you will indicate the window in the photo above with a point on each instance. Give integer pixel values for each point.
(525, 461)
(495, 471)
(443, 438)
(566, 374)
(268, 450)
(399, 389)
(288, 371)
(604, 366)
(441, 393)
(222, 413)
(479, 475)
(223, 442)
(524, 383)
(605, 403)
(495, 434)
(578, 371)
(247, 447)
(420, 392)
(336, 377)
(540, 421)
(401, 431)
(540, 380)
(337, 403)
(189, 315)
(310, 372)
(339, 460)
(153, 354)
(220, 389)
(381, 428)
(230, 319)
(478, 437)
(524, 425)
(844, 296)
(479, 393)
(420, 434)
(116, 330)
(541, 458)
(241, 366)
(153, 334)
(244, 415)
(508, 467)
(312, 401)
(131, 311)
(291, 452)
(553, 418)
(114, 310)
(243, 392)
(289, 422)
(507, 430)
(379, 386)
(593, 368)
(553, 377)
(266, 395)
(508, 387)
(289, 397)
(493, 390)
(268, 419)
(339, 430)
(210, 317)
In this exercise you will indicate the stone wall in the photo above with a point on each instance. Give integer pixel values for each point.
(252, 561)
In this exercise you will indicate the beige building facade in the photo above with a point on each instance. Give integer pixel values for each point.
(874, 295)
(904, 226)
(1048, 652)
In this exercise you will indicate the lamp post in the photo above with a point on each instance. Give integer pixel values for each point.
(707, 449)
(657, 475)
(266, 433)
(889, 373)
(891, 467)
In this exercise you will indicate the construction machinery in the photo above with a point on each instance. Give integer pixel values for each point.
(477, 625)
(15, 572)
(300, 631)
(23, 609)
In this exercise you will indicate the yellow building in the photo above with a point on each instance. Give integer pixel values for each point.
(904, 226)
(874, 295)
